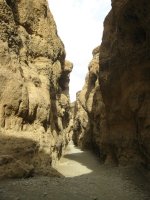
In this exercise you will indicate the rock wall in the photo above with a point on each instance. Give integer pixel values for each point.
(89, 110)
(34, 78)
(124, 79)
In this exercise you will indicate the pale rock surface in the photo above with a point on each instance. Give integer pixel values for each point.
(34, 78)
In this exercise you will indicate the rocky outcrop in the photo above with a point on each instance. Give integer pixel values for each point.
(89, 110)
(34, 77)
(124, 79)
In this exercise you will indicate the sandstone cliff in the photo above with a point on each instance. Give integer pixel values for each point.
(34, 78)
(89, 111)
(124, 79)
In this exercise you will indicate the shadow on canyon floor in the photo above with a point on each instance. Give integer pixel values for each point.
(21, 157)
(98, 182)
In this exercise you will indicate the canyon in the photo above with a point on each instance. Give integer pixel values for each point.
(34, 98)
(111, 114)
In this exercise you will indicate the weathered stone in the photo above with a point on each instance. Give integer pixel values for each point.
(113, 115)
(125, 81)
(89, 110)
(34, 77)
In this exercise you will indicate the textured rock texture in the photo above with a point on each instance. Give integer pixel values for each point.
(124, 79)
(89, 110)
(34, 75)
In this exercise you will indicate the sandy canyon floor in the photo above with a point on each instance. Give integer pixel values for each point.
(84, 178)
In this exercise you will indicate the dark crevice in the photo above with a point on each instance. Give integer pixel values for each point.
(139, 35)
(27, 27)
(13, 6)
(10, 3)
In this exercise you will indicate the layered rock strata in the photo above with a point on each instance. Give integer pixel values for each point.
(34, 78)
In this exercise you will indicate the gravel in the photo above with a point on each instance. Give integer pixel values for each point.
(84, 179)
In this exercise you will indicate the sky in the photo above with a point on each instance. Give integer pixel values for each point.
(80, 26)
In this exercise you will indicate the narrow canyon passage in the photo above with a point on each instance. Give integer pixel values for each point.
(83, 179)
(110, 115)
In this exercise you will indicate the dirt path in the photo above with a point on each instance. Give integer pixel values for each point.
(84, 179)
(77, 163)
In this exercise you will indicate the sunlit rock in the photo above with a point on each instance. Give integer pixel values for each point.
(34, 78)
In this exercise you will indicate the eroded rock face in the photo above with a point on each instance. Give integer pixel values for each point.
(34, 75)
(89, 110)
(124, 80)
